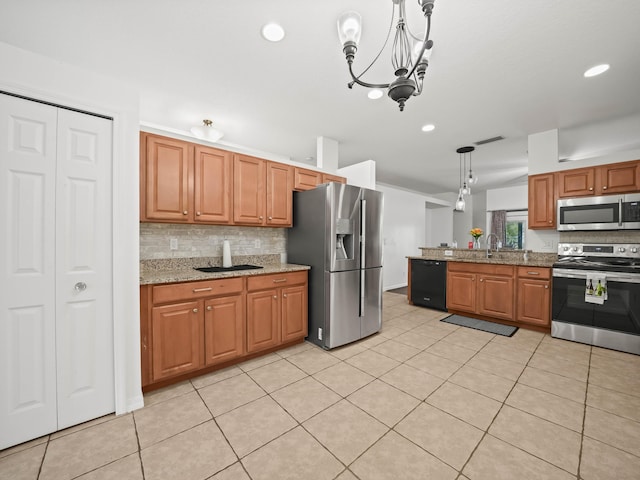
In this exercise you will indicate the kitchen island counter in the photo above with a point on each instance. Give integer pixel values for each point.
(503, 257)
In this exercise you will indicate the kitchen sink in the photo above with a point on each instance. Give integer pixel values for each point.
(227, 269)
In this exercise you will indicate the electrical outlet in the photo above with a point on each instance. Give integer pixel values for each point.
(448, 253)
(256, 243)
(173, 244)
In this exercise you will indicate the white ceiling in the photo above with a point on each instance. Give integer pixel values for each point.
(499, 67)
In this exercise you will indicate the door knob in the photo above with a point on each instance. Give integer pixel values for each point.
(80, 287)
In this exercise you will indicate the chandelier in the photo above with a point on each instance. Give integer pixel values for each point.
(409, 55)
(466, 179)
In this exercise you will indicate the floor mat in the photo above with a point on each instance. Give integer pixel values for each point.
(497, 328)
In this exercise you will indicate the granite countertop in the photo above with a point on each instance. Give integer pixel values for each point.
(182, 269)
(503, 257)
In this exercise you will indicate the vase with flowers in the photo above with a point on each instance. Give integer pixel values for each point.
(476, 233)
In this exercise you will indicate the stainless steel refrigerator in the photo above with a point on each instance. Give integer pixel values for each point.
(337, 231)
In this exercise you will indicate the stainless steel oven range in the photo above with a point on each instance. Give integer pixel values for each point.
(596, 295)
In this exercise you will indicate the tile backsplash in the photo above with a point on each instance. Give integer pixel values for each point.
(157, 240)
(614, 236)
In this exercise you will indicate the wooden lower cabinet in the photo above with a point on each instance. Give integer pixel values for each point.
(534, 296)
(483, 289)
(277, 309)
(191, 327)
(223, 329)
(177, 330)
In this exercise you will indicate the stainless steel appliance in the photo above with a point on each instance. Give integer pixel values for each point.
(608, 212)
(337, 231)
(615, 323)
(429, 283)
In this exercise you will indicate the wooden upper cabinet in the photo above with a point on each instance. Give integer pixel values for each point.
(165, 179)
(213, 182)
(613, 178)
(542, 201)
(327, 177)
(279, 194)
(306, 179)
(618, 178)
(579, 182)
(249, 175)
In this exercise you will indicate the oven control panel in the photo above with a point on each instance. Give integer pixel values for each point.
(628, 250)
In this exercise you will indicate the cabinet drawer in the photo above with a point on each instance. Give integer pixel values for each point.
(480, 268)
(261, 282)
(540, 273)
(191, 290)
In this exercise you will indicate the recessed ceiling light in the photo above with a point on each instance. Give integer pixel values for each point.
(597, 70)
(375, 94)
(428, 128)
(273, 32)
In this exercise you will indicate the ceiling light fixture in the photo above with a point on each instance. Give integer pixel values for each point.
(597, 70)
(207, 132)
(409, 53)
(428, 128)
(273, 32)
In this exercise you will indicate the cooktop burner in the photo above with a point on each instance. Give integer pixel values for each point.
(611, 257)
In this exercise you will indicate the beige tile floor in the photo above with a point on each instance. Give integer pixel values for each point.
(420, 400)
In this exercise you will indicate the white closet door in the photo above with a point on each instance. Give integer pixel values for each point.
(27, 270)
(56, 326)
(83, 269)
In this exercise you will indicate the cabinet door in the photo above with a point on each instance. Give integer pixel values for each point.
(618, 178)
(534, 297)
(248, 190)
(461, 291)
(223, 329)
(542, 201)
(279, 194)
(294, 313)
(263, 320)
(167, 166)
(213, 180)
(306, 179)
(579, 182)
(496, 296)
(326, 177)
(177, 339)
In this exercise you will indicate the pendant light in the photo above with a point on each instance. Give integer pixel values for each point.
(471, 178)
(460, 203)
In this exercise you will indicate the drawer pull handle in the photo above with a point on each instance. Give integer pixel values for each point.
(197, 290)
(533, 273)
(280, 280)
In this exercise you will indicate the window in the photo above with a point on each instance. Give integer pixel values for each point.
(516, 229)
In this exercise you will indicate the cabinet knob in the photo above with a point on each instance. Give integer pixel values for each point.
(550, 221)
(261, 217)
(604, 188)
(482, 279)
(275, 296)
(284, 295)
(270, 218)
(198, 213)
(185, 212)
(195, 310)
(591, 189)
(209, 307)
(546, 286)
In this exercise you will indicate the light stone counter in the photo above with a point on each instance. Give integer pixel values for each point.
(503, 257)
(182, 269)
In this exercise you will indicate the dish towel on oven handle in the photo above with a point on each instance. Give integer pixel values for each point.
(595, 288)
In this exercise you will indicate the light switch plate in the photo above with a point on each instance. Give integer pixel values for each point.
(173, 244)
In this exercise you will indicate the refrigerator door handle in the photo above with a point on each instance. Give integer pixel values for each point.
(363, 235)
(362, 292)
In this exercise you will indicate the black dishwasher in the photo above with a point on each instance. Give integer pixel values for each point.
(429, 283)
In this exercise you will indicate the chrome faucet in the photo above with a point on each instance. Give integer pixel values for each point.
(489, 253)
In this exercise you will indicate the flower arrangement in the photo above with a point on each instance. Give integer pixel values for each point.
(476, 233)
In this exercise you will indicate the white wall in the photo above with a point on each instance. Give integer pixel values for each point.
(361, 174)
(508, 198)
(403, 231)
(38, 77)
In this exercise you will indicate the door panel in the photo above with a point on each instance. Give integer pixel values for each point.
(372, 301)
(372, 207)
(212, 189)
(27, 270)
(223, 329)
(343, 306)
(83, 269)
(294, 312)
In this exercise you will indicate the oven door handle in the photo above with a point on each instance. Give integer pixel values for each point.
(610, 276)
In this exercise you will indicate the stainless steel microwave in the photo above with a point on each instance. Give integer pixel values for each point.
(608, 212)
